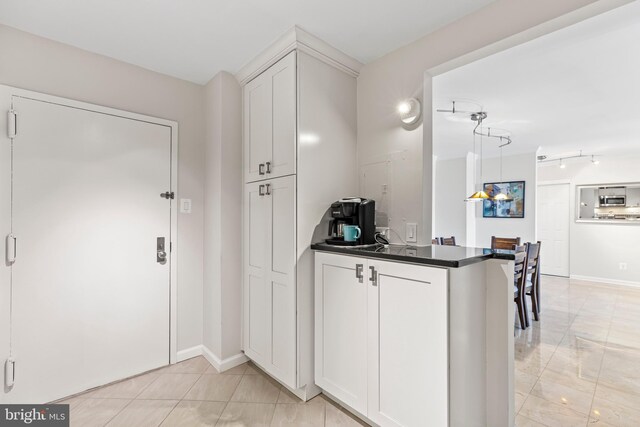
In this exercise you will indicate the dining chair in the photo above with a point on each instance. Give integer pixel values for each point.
(504, 242)
(533, 277)
(448, 241)
(519, 287)
(435, 241)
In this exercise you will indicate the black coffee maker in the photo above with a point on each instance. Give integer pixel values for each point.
(353, 211)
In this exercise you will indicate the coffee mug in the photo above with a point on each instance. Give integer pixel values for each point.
(351, 233)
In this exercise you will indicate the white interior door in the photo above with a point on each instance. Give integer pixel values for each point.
(90, 301)
(553, 228)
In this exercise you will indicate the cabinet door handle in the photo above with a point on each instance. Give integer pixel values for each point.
(261, 169)
(268, 193)
(268, 167)
(374, 276)
(261, 190)
(359, 274)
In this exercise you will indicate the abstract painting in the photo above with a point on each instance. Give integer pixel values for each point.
(513, 207)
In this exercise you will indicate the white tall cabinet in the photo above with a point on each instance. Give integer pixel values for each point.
(299, 133)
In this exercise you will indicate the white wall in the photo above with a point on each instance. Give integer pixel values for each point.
(450, 209)
(41, 65)
(449, 206)
(515, 168)
(597, 249)
(222, 216)
(399, 75)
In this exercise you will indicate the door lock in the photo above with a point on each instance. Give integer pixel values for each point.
(161, 253)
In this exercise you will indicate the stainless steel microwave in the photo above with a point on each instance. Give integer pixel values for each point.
(613, 201)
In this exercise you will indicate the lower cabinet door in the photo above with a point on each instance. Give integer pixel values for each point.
(256, 289)
(407, 345)
(341, 328)
(282, 280)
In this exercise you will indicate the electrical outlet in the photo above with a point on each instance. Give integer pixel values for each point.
(623, 266)
(411, 232)
(383, 230)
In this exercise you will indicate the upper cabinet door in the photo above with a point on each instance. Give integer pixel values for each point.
(257, 127)
(270, 122)
(283, 81)
(408, 365)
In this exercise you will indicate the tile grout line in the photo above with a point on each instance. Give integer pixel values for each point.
(230, 397)
(595, 390)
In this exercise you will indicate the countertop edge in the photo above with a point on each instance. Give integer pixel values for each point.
(345, 250)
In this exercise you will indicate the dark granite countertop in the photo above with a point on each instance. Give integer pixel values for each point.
(439, 255)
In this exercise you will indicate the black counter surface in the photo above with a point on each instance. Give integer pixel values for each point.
(438, 255)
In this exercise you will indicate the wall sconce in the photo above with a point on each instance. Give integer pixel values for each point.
(409, 111)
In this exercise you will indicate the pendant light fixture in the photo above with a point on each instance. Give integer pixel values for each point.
(480, 194)
(502, 196)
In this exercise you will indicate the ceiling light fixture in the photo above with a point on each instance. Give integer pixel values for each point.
(561, 160)
(502, 196)
(480, 194)
(505, 139)
(409, 111)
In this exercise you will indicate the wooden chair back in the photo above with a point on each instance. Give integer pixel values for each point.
(533, 255)
(504, 242)
(448, 241)
(521, 271)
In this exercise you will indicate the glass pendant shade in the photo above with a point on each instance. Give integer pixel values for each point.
(477, 196)
(503, 197)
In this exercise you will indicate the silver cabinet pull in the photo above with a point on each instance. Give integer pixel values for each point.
(268, 167)
(374, 276)
(261, 190)
(359, 274)
(261, 169)
(268, 193)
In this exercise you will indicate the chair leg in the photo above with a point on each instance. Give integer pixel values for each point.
(524, 309)
(534, 305)
(521, 313)
(537, 288)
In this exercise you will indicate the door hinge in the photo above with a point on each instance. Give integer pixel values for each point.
(12, 124)
(9, 372)
(168, 195)
(11, 245)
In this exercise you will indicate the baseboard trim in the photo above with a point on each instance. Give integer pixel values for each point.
(225, 364)
(188, 353)
(606, 281)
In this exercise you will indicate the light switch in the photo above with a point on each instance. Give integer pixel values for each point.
(411, 232)
(185, 206)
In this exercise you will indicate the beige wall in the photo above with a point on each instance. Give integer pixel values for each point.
(222, 216)
(41, 65)
(399, 75)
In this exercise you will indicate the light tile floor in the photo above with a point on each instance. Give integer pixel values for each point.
(192, 393)
(580, 364)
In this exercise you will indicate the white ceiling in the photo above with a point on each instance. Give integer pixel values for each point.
(577, 88)
(194, 39)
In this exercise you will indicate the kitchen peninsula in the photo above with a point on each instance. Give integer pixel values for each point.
(415, 336)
